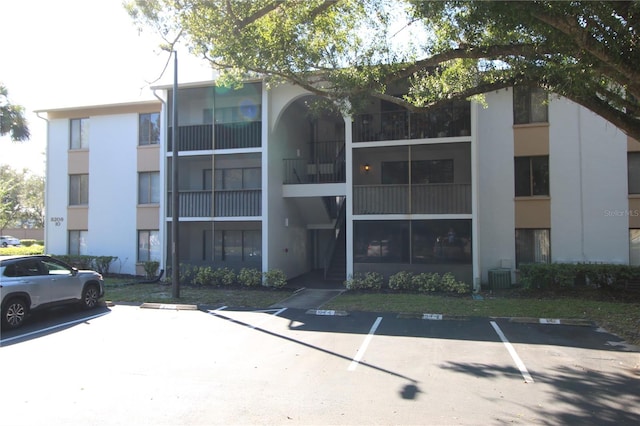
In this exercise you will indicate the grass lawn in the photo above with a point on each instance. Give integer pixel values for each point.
(119, 291)
(617, 313)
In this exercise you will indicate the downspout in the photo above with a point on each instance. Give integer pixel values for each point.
(46, 180)
(163, 221)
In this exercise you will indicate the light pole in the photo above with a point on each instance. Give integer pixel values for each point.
(175, 196)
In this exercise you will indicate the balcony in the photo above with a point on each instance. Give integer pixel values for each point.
(227, 136)
(238, 203)
(238, 135)
(192, 138)
(450, 121)
(227, 203)
(191, 204)
(324, 164)
(447, 198)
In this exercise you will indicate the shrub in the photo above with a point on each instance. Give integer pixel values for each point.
(187, 273)
(203, 276)
(23, 250)
(275, 278)
(224, 276)
(151, 268)
(426, 282)
(27, 242)
(102, 263)
(250, 277)
(546, 276)
(402, 280)
(451, 285)
(364, 281)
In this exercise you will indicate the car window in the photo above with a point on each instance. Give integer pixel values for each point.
(55, 268)
(27, 268)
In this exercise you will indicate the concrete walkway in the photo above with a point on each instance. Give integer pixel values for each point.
(308, 298)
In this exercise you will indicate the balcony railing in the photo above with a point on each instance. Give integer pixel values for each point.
(239, 135)
(325, 164)
(449, 121)
(192, 138)
(192, 204)
(244, 202)
(448, 198)
(199, 137)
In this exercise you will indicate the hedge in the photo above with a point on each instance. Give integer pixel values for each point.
(547, 276)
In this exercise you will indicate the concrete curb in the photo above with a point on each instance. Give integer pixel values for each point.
(169, 306)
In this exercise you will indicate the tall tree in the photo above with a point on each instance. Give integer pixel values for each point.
(348, 49)
(12, 119)
(22, 197)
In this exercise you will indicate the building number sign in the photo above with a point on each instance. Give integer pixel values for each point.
(57, 220)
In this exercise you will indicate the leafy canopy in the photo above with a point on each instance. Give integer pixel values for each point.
(345, 50)
(12, 120)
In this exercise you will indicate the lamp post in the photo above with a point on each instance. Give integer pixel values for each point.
(175, 196)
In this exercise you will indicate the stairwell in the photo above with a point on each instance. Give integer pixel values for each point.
(338, 265)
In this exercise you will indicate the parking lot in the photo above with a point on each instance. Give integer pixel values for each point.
(125, 365)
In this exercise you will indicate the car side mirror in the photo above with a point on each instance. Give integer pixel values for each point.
(74, 271)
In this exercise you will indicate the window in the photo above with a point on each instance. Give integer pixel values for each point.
(633, 172)
(234, 179)
(149, 129)
(148, 245)
(149, 188)
(431, 171)
(529, 105)
(441, 241)
(238, 246)
(78, 190)
(422, 172)
(531, 176)
(78, 242)
(416, 242)
(381, 241)
(533, 246)
(79, 133)
(634, 247)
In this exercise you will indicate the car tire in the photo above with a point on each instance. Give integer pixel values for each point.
(90, 296)
(14, 312)
(4, 245)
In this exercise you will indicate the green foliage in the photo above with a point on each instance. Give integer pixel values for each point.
(224, 277)
(22, 250)
(250, 277)
(402, 280)
(22, 196)
(424, 282)
(275, 278)
(12, 118)
(101, 264)
(364, 281)
(203, 275)
(187, 273)
(151, 268)
(549, 276)
(351, 49)
(27, 242)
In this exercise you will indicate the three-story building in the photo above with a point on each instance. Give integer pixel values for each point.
(268, 179)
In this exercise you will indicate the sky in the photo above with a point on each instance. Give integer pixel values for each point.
(64, 53)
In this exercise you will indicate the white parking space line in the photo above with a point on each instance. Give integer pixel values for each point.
(44, 330)
(362, 349)
(523, 369)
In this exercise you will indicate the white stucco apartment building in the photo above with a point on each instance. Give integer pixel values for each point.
(266, 181)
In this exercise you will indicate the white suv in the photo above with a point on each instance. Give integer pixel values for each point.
(8, 240)
(36, 282)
